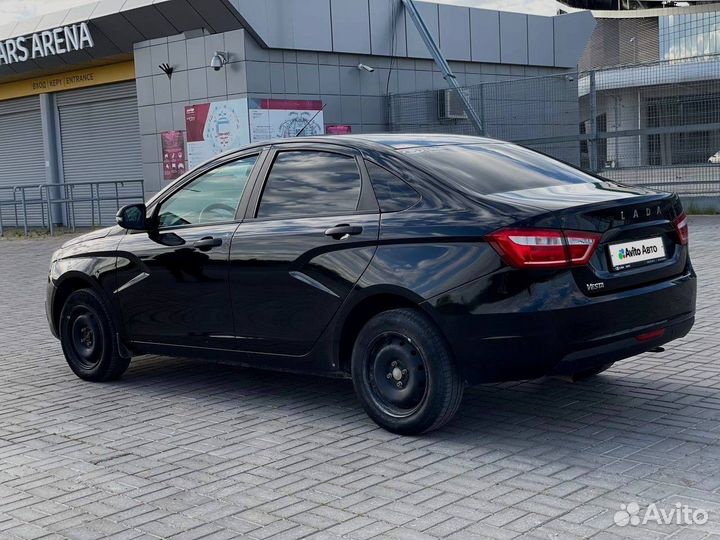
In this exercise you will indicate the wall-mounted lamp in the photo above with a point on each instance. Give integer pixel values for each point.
(167, 69)
(219, 59)
(364, 67)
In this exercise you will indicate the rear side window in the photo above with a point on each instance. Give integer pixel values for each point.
(304, 184)
(495, 167)
(392, 193)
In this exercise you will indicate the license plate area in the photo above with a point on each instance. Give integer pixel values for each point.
(634, 253)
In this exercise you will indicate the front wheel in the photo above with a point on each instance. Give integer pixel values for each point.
(87, 336)
(404, 373)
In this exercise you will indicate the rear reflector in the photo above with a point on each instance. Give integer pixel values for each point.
(681, 226)
(544, 248)
(649, 336)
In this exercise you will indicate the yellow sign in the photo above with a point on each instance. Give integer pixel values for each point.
(123, 71)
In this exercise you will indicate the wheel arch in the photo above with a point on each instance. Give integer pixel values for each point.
(362, 310)
(74, 281)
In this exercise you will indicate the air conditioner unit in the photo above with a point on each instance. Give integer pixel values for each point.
(450, 106)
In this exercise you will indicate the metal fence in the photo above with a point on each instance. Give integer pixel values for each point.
(79, 204)
(654, 124)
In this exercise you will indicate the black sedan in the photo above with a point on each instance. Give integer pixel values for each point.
(413, 264)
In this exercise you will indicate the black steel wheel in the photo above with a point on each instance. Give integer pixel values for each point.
(88, 338)
(396, 374)
(404, 374)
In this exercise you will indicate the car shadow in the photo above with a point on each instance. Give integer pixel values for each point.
(619, 408)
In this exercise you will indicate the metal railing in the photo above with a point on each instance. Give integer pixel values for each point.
(50, 204)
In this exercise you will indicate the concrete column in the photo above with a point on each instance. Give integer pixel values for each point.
(50, 150)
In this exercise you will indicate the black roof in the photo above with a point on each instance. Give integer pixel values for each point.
(394, 141)
(406, 140)
(397, 141)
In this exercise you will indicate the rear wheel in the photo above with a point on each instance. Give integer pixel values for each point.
(87, 336)
(404, 374)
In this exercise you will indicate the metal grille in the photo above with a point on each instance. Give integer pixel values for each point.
(618, 42)
(655, 124)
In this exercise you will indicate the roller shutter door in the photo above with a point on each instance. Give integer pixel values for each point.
(100, 135)
(22, 160)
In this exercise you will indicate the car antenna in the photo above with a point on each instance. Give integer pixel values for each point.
(310, 121)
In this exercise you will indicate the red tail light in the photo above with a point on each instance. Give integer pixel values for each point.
(544, 248)
(681, 226)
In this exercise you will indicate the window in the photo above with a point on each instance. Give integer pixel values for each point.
(495, 167)
(393, 194)
(211, 198)
(304, 183)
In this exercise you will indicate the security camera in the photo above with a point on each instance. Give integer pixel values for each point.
(367, 68)
(218, 61)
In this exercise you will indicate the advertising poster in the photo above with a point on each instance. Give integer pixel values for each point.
(173, 149)
(281, 118)
(213, 128)
(335, 129)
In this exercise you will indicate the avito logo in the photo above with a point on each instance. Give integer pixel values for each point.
(679, 514)
(626, 253)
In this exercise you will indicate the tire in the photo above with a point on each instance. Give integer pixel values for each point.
(88, 338)
(582, 375)
(404, 374)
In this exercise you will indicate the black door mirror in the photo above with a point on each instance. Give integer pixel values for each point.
(133, 217)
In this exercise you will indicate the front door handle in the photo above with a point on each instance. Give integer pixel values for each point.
(340, 232)
(206, 244)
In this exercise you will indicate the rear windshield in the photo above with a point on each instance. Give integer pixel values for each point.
(495, 168)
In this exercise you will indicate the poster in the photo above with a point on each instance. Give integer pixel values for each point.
(281, 118)
(173, 150)
(213, 128)
(335, 129)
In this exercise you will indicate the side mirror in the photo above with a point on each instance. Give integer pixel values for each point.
(133, 217)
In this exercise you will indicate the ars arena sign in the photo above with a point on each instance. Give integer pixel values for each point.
(46, 43)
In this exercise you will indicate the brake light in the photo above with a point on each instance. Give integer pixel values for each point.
(544, 248)
(681, 227)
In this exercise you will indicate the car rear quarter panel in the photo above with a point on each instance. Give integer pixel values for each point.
(435, 245)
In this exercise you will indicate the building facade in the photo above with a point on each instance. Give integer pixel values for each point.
(650, 97)
(125, 102)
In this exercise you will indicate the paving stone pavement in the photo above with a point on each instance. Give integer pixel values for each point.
(185, 449)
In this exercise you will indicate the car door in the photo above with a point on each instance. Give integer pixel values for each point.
(174, 278)
(309, 234)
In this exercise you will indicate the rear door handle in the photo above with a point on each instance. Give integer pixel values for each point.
(343, 231)
(206, 244)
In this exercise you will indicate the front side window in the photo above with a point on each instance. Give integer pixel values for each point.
(305, 184)
(211, 198)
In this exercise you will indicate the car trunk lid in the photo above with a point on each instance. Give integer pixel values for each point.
(639, 241)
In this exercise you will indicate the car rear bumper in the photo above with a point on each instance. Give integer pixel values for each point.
(618, 347)
(552, 328)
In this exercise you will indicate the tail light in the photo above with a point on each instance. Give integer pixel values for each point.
(544, 248)
(681, 227)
